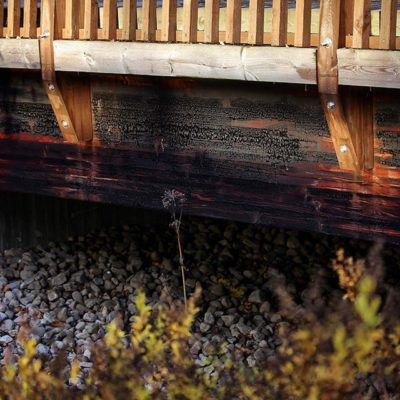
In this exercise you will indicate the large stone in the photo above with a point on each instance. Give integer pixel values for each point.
(59, 279)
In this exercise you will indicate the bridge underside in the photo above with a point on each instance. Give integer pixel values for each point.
(254, 152)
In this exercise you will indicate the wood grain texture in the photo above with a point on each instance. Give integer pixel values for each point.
(256, 18)
(303, 23)
(369, 68)
(90, 19)
(149, 20)
(110, 19)
(129, 23)
(346, 21)
(189, 23)
(211, 21)
(362, 24)
(279, 22)
(387, 36)
(19, 54)
(168, 21)
(71, 30)
(13, 18)
(30, 15)
(233, 21)
(200, 61)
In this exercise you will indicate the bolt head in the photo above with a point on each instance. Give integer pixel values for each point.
(330, 105)
(51, 87)
(343, 148)
(65, 124)
(327, 42)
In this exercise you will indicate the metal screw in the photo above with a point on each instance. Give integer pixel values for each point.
(65, 124)
(327, 42)
(343, 148)
(51, 87)
(330, 105)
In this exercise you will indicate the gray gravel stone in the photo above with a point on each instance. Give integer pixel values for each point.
(52, 295)
(6, 339)
(209, 318)
(256, 297)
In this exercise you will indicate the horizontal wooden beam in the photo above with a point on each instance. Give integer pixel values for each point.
(371, 68)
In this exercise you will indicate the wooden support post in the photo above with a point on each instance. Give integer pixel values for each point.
(110, 19)
(71, 30)
(349, 122)
(149, 20)
(91, 19)
(211, 21)
(362, 24)
(387, 37)
(256, 19)
(302, 33)
(346, 21)
(77, 96)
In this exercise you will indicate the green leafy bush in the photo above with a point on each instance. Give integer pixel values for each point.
(334, 349)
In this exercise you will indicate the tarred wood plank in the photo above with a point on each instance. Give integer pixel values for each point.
(149, 20)
(303, 23)
(168, 21)
(129, 20)
(30, 14)
(362, 24)
(13, 18)
(279, 22)
(233, 21)
(189, 27)
(110, 19)
(387, 36)
(211, 21)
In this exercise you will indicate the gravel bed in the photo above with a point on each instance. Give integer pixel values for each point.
(69, 291)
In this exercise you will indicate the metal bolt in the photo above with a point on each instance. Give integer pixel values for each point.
(65, 124)
(343, 148)
(327, 42)
(330, 105)
(51, 87)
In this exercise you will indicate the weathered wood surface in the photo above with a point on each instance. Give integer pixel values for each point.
(251, 153)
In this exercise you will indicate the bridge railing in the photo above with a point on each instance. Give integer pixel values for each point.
(271, 22)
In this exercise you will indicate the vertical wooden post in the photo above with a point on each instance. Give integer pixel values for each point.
(30, 15)
(129, 22)
(362, 24)
(211, 21)
(233, 21)
(168, 21)
(13, 18)
(91, 19)
(71, 30)
(303, 23)
(190, 13)
(387, 36)
(256, 22)
(346, 21)
(110, 19)
(279, 22)
(1, 17)
(149, 20)
(60, 19)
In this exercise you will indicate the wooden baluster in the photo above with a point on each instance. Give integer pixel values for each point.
(233, 21)
(387, 35)
(14, 10)
(190, 12)
(71, 30)
(91, 19)
(149, 20)
(168, 21)
(110, 19)
(256, 22)
(1, 17)
(30, 14)
(303, 23)
(362, 24)
(211, 21)
(60, 18)
(279, 22)
(346, 21)
(129, 21)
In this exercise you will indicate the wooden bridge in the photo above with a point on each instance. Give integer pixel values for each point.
(278, 112)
